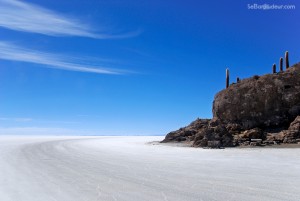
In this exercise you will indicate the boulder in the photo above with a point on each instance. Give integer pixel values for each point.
(255, 133)
(188, 132)
(295, 125)
(291, 135)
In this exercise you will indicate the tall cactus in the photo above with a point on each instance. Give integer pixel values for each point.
(274, 68)
(281, 64)
(227, 78)
(237, 80)
(287, 63)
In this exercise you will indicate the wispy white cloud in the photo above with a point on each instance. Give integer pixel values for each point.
(16, 119)
(10, 51)
(23, 119)
(40, 131)
(62, 131)
(51, 131)
(26, 17)
(31, 120)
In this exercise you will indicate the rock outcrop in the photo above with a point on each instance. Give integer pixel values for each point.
(255, 111)
(187, 133)
(261, 101)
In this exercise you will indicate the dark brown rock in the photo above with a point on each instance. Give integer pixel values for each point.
(256, 111)
(287, 136)
(255, 133)
(214, 144)
(188, 132)
(293, 133)
(295, 125)
(271, 100)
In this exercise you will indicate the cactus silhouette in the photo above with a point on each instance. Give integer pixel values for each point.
(237, 80)
(287, 63)
(281, 64)
(274, 68)
(227, 78)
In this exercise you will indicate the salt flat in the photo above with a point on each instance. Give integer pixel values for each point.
(129, 169)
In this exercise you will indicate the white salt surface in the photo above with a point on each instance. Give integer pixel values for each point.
(128, 169)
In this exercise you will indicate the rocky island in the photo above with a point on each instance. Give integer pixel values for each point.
(258, 111)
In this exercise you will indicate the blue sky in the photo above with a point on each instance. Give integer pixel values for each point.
(128, 67)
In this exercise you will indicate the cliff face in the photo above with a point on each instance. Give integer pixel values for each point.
(257, 110)
(271, 100)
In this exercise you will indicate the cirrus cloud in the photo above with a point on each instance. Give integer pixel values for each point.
(20, 16)
(12, 52)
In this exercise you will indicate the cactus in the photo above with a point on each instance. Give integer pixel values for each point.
(237, 80)
(274, 68)
(281, 64)
(227, 78)
(287, 63)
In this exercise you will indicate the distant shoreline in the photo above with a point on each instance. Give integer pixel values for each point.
(189, 144)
